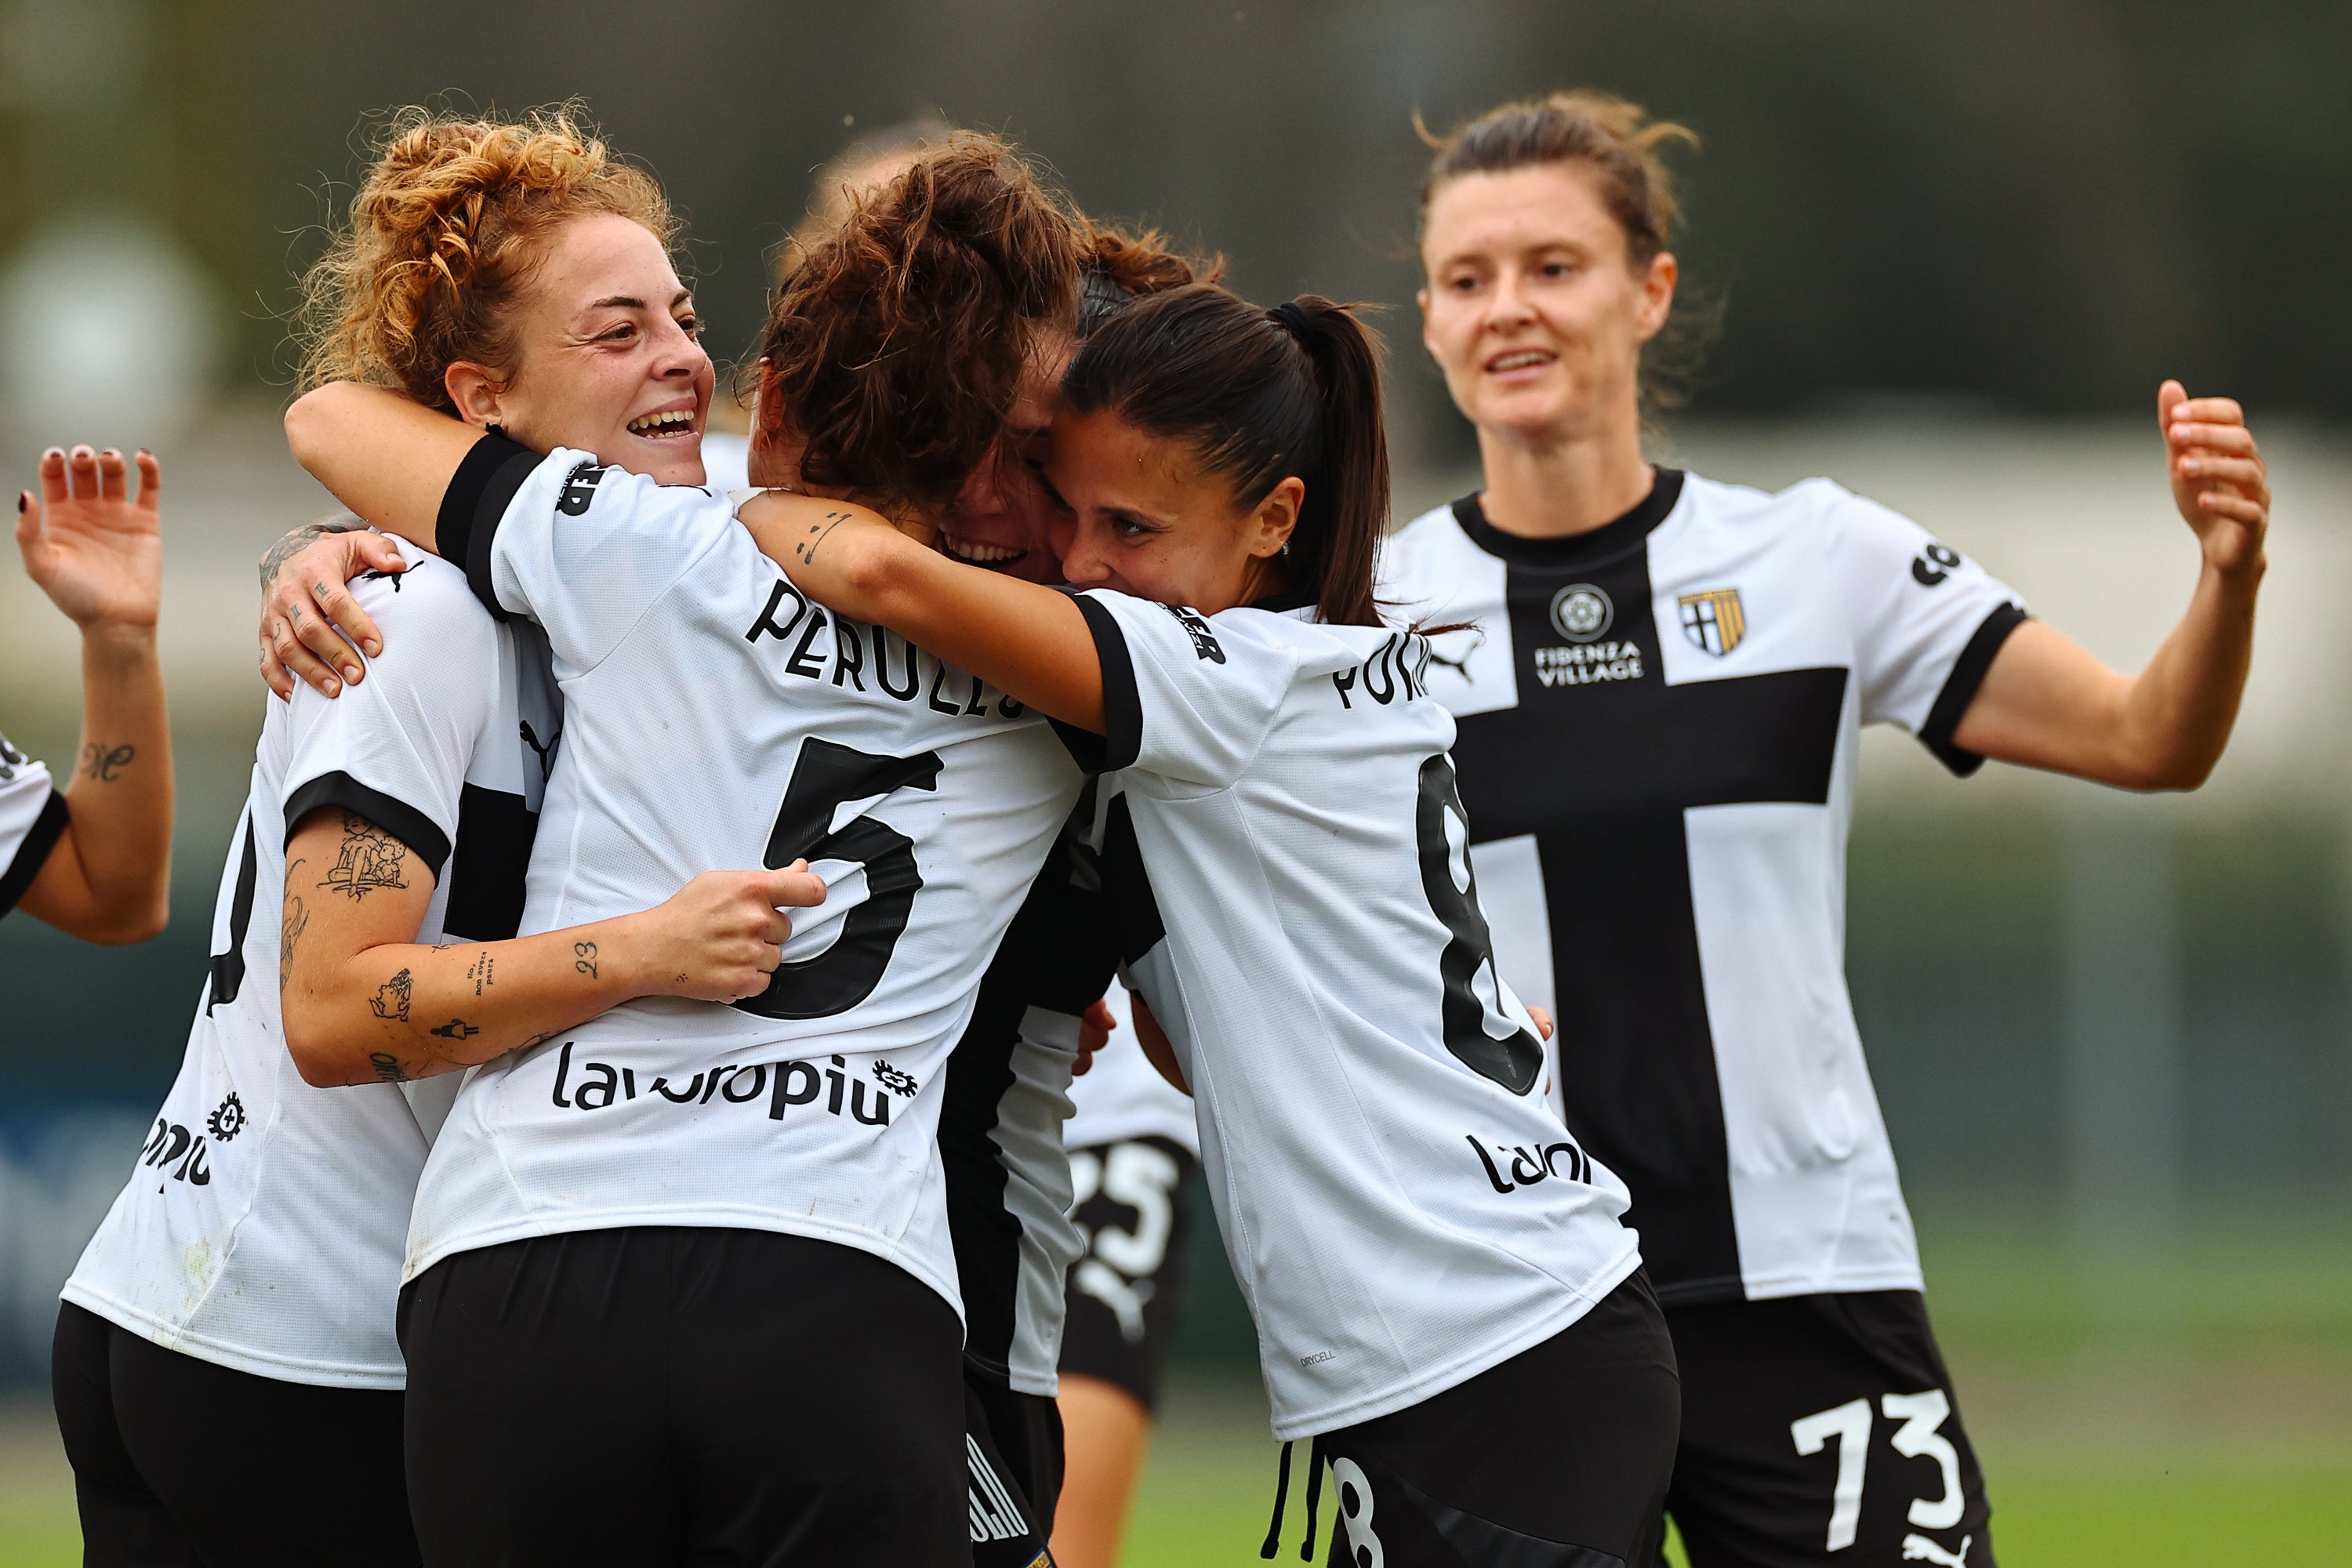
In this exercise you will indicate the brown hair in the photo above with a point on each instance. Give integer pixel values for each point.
(1261, 395)
(897, 339)
(443, 234)
(1124, 265)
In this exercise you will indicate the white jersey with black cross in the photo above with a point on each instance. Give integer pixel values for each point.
(32, 818)
(1659, 723)
(1286, 852)
(715, 720)
(265, 1222)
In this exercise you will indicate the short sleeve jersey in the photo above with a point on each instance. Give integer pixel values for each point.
(1284, 844)
(33, 818)
(716, 719)
(265, 1221)
(1659, 722)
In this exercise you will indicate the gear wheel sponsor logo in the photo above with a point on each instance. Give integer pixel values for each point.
(228, 1119)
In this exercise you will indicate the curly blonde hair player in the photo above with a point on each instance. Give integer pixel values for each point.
(442, 234)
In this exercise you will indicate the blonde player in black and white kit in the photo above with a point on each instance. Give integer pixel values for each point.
(226, 1372)
(681, 1279)
(1658, 701)
(94, 859)
(1426, 1251)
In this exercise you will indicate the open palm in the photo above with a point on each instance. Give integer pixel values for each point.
(96, 553)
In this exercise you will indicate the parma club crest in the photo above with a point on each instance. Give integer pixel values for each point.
(1713, 619)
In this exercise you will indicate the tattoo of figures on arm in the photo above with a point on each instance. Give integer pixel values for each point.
(391, 998)
(370, 858)
(101, 761)
(455, 1029)
(807, 548)
(387, 1067)
(585, 958)
(301, 539)
(478, 972)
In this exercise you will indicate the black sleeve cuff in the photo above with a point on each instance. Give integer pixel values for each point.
(1960, 689)
(477, 499)
(34, 852)
(402, 821)
(1122, 741)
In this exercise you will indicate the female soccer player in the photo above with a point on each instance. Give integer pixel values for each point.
(1426, 1252)
(226, 1373)
(95, 859)
(682, 1277)
(1659, 705)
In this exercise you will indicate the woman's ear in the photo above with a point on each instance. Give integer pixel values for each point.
(474, 393)
(1657, 295)
(1276, 517)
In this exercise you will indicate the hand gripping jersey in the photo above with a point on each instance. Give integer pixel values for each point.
(1123, 1095)
(1286, 848)
(715, 720)
(263, 1225)
(1658, 728)
(32, 819)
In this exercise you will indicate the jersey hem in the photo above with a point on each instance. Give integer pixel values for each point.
(1405, 1395)
(703, 1218)
(219, 1352)
(1844, 1284)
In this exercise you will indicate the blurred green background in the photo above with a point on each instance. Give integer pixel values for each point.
(1952, 251)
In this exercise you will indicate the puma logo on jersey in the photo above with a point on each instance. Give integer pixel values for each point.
(1919, 1549)
(1204, 641)
(579, 489)
(1528, 1170)
(1587, 663)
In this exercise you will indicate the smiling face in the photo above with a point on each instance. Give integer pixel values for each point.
(1533, 309)
(1003, 517)
(1140, 514)
(606, 356)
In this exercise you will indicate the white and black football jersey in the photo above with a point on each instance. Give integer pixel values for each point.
(1123, 1095)
(1658, 722)
(265, 1222)
(32, 819)
(1285, 851)
(716, 719)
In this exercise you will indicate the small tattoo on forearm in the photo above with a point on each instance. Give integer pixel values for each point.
(478, 972)
(296, 920)
(387, 1067)
(102, 762)
(391, 998)
(585, 958)
(807, 548)
(455, 1029)
(294, 543)
(370, 858)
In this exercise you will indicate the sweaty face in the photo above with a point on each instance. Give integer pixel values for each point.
(608, 358)
(1003, 517)
(1532, 309)
(1140, 515)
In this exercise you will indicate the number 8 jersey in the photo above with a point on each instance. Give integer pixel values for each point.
(715, 720)
(1288, 857)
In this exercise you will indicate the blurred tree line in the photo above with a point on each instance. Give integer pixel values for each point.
(2042, 204)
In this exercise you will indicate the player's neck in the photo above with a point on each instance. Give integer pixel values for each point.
(1553, 487)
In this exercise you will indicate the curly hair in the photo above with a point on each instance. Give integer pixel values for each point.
(898, 338)
(1123, 265)
(444, 232)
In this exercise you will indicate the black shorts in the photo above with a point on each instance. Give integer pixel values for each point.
(661, 1393)
(1013, 1441)
(1126, 1293)
(1556, 1459)
(180, 1462)
(1822, 1425)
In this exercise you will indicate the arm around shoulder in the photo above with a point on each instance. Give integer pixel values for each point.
(386, 459)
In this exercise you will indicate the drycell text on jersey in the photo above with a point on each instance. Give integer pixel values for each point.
(1398, 667)
(1582, 664)
(856, 651)
(775, 1086)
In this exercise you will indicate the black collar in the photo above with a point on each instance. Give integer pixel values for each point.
(1299, 597)
(1576, 552)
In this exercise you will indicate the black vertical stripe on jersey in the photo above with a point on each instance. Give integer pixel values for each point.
(1057, 954)
(487, 867)
(488, 477)
(1960, 689)
(1601, 774)
(229, 968)
(33, 849)
(1136, 927)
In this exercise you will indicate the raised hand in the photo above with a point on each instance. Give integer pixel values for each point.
(2218, 479)
(95, 551)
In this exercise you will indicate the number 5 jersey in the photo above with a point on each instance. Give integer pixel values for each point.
(1288, 859)
(716, 719)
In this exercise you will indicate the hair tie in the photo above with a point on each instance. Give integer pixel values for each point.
(1292, 319)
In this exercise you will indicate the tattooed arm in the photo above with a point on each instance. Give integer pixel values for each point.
(99, 556)
(309, 621)
(364, 1002)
